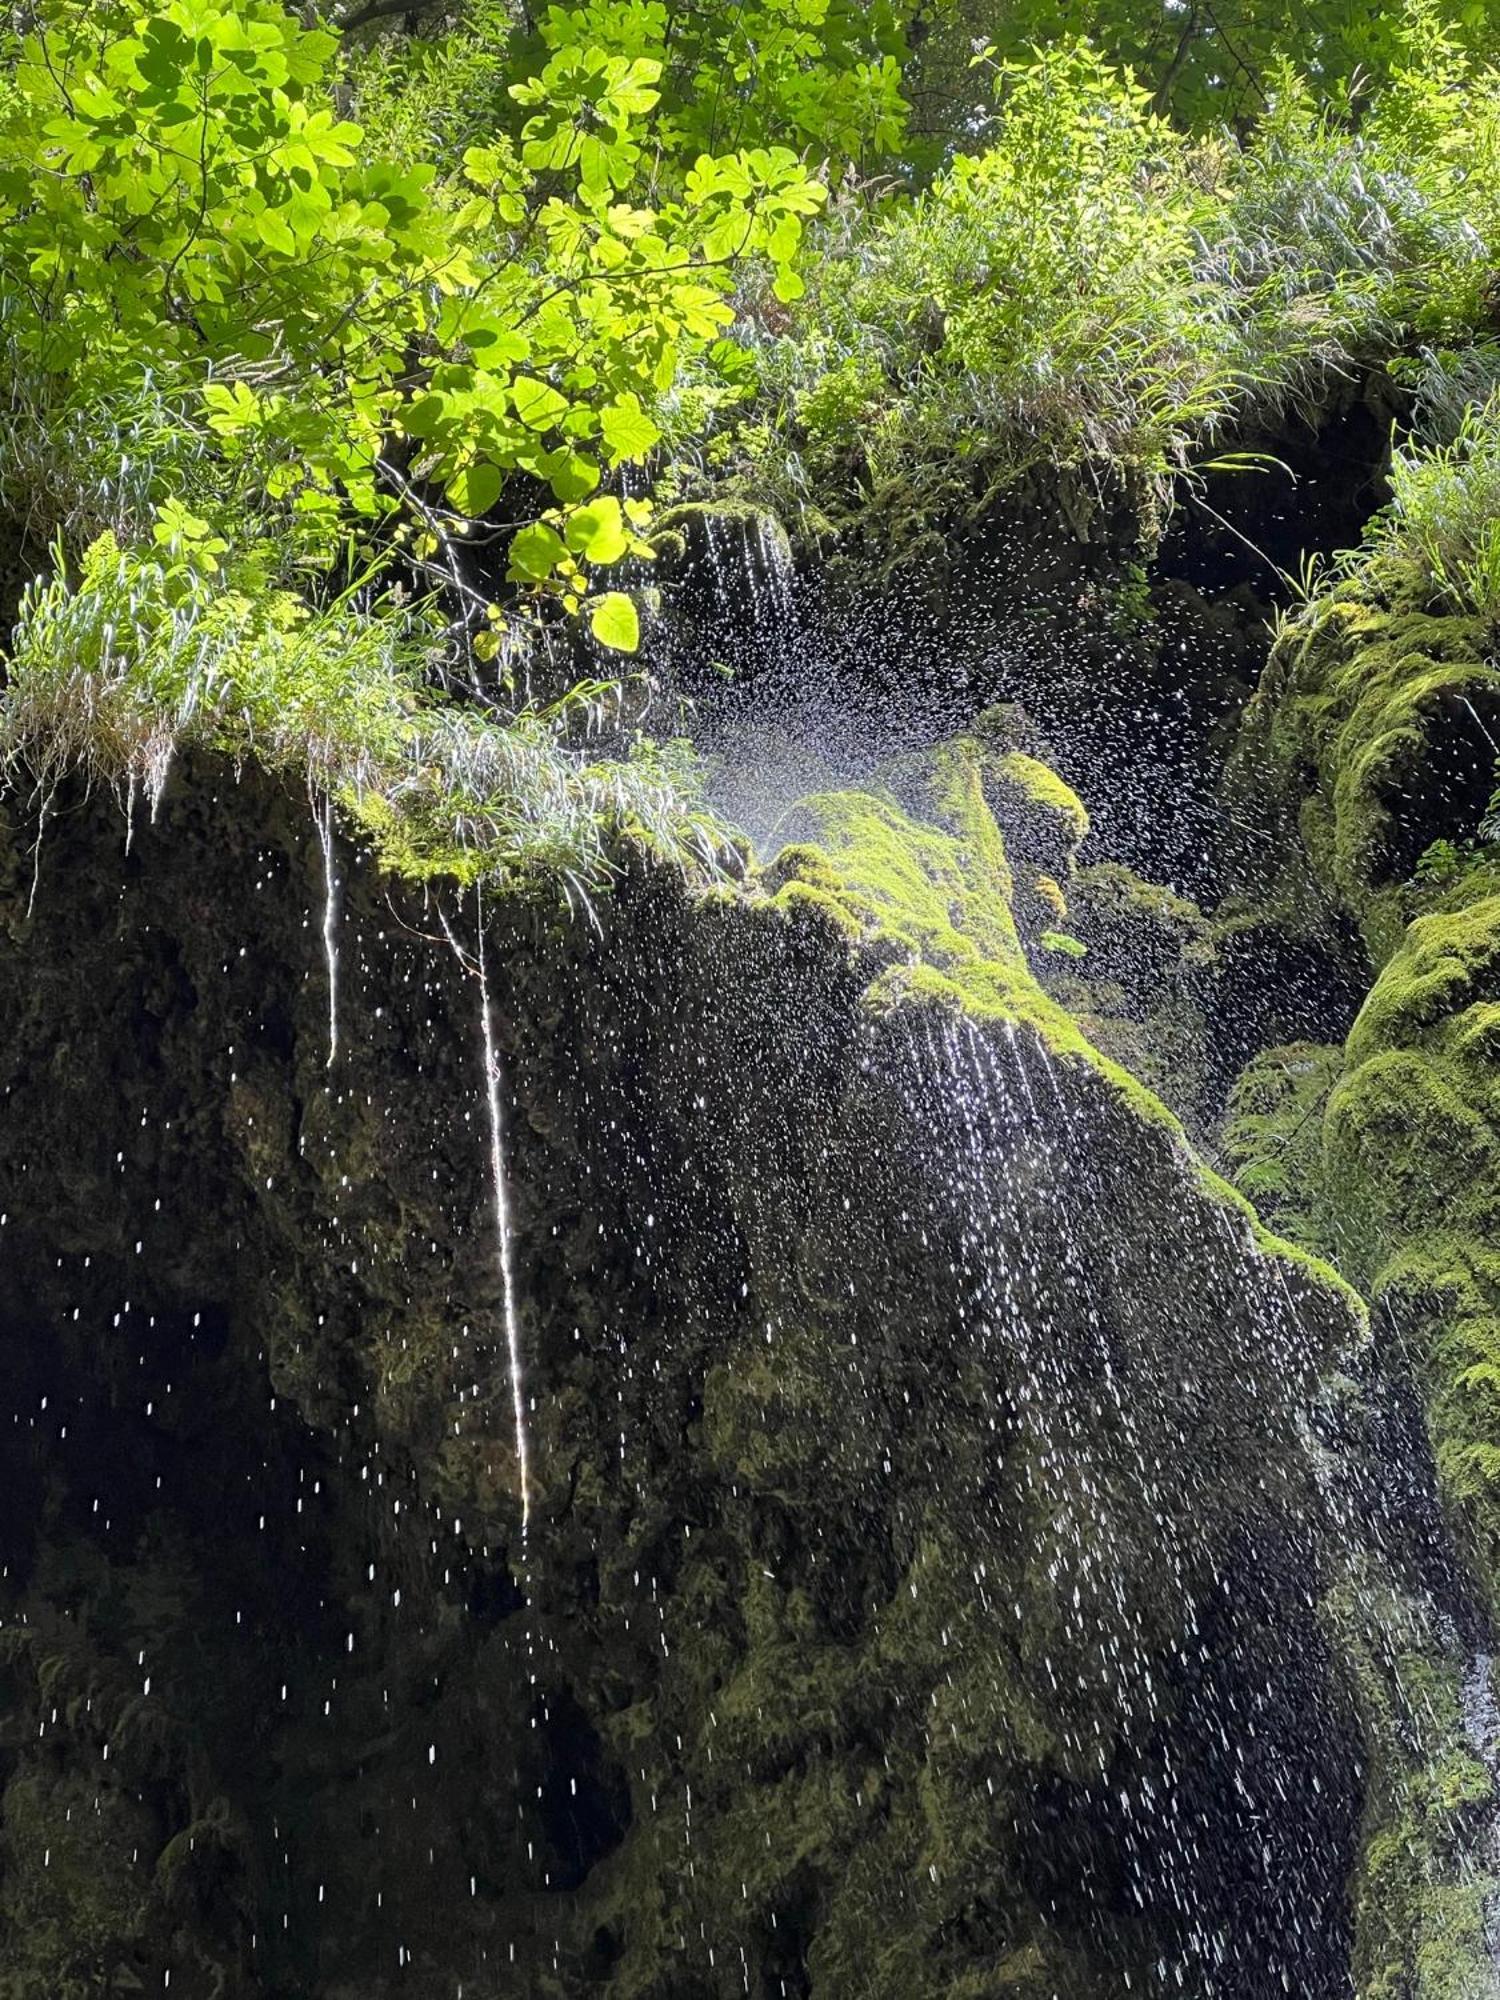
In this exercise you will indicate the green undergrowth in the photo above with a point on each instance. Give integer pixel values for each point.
(116, 671)
(1100, 294)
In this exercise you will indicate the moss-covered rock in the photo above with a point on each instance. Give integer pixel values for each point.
(1372, 734)
(1427, 1891)
(1413, 1166)
(918, 1485)
(1273, 1139)
(1372, 737)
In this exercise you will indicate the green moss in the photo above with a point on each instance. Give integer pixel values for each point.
(1420, 1890)
(934, 894)
(694, 535)
(1412, 1158)
(74, 1903)
(1041, 815)
(1065, 946)
(1349, 736)
(1449, 964)
(1273, 1138)
(805, 899)
(1369, 740)
(1143, 992)
(1137, 932)
(948, 901)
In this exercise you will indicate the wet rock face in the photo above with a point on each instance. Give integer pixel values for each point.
(918, 1595)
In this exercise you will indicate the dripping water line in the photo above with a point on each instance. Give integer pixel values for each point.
(36, 853)
(501, 1202)
(323, 819)
(1480, 720)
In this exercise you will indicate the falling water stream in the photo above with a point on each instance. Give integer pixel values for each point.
(503, 1238)
(323, 820)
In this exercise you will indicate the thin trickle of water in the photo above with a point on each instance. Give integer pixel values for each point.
(776, 563)
(716, 561)
(501, 1201)
(323, 820)
(1480, 720)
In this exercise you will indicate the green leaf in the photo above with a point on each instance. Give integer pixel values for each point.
(272, 227)
(628, 431)
(570, 475)
(476, 489)
(535, 552)
(597, 532)
(425, 415)
(537, 404)
(233, 407)
(614, 622)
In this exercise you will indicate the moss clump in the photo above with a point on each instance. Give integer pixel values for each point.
(948, 900)
(1413, 1165)
(1043, 818)
(1421, 1893)
(1371, 739)
(932, 892)
(1137, 932)
(1371, 736)
(1273, 1139)
(1044, 824)
(1386, 1155)
(695, 517)
(733, 548)
(1143, 991)
(74, 1902)
(919, 867)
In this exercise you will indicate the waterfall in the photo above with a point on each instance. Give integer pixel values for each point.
(1098, 1445)
(781, 576)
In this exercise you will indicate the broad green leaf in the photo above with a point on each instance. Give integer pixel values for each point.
(275, 232)
(627, 429)
(597, 532)
(423, 417)
(535, 551)
(476, 489)
(570, 475)
(537, 404)
(615, 623)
